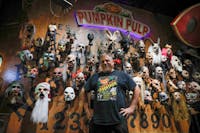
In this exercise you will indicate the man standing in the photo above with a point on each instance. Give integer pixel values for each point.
(110, 107)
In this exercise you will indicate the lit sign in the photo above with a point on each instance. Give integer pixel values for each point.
(109, 18)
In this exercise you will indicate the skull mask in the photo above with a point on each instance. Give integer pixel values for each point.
(15, 92)
(42, 90)
(69, 94)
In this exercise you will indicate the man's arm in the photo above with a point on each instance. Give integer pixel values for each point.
(130, 110)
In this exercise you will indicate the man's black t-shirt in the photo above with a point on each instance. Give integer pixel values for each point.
(109, 96)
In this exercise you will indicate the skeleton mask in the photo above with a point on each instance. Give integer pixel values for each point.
(57, 73)
(15, 92)
(196, 76)
(69, 94)
(176, 63)
(147, 96)
(42, 90)
(80, 79)
(181, 85)
(163, 96)
(185, 74)
(172, 73)
(61, 45)
(128, 68)
(177, 96)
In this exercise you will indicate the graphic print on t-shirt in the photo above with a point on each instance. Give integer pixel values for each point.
(107, 88)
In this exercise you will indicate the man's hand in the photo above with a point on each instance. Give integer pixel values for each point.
(126, 112)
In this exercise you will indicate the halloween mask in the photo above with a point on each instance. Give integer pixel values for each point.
(69, 94)
(163, 96)
(15, 92)
(42, 90)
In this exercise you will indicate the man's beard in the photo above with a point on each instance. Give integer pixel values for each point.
(40, 111)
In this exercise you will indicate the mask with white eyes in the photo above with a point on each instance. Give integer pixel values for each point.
(69, 94)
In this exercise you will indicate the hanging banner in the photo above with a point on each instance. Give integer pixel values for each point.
(113, 16)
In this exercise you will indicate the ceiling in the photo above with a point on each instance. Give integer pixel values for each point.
(166, 7)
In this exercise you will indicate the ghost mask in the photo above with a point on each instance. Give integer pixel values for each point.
(42, 91)
(69, 94)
